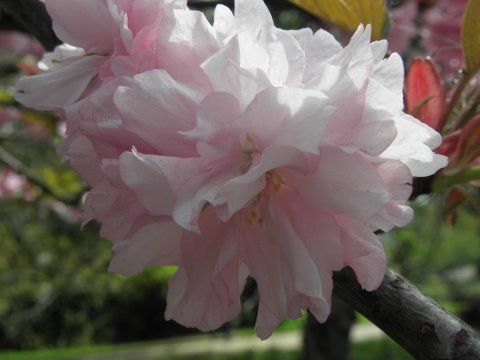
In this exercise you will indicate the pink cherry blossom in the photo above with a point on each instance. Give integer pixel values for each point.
(442, 34)
(403, 29)
(103, 38)
(9, 113)
(255, 197)
(247, 150)
(11, 184)
(15, 44)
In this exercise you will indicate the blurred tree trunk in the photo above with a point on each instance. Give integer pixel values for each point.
(31, 17)
(330, 340)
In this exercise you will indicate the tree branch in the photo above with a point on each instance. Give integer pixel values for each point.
(31, 17)
(413, 320)
(12, 162)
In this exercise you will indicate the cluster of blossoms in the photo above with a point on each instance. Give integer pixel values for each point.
(11, 184)
(232, 150)
(438, 24)
(14, 44)
(442, 34)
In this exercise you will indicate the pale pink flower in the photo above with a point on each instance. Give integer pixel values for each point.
(442, 34)
(270, 153)
(14, 44)
(9, 113)
(103, 38)
(402, 26)
(287, 185)
(11, 184)
(98, 136)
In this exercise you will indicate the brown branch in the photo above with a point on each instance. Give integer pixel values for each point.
(12, 162)
(31, 17)
(413, 320)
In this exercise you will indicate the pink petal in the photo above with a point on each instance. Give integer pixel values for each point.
(146, 180)
(100, 121)
(223, 19)
(413, 146)
(363, 252)
(297, 117)
(205, 292)
(156, 108)
(192, 183)
(321, 48)
(294, 253)
(58, 87)
(264, 264)
(216, 115)
(154, 244)
(384, 95)
(226, 74)
(250, 15)
(347, 174)
(91, 25)
(239, 191)
(83, 158)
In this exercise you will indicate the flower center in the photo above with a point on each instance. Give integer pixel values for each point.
(274, 181)
(274, 184)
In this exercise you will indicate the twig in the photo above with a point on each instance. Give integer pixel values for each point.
(32, 17)
(456, 97)
(413, 320)
(470, 110)
(12, 162)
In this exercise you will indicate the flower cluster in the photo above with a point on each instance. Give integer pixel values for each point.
(442, 35)
(14, 45)
(232, 150)
(437, 24)
(11, 184)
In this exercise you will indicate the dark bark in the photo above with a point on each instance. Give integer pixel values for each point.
(31, 17)
(413, 320)
(330, 340)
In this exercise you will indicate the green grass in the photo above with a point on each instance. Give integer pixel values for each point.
(267, 355)
(56, 353)
(370, 350)
(378, 350)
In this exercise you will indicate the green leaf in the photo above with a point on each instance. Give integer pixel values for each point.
(5, 97)
(443, 181)
(471, 35)
(62, 183)
(348, 14)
